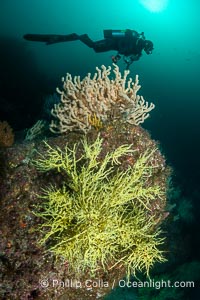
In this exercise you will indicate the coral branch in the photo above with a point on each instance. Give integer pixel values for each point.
(107, 99)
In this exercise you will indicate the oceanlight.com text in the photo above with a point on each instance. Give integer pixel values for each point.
(157, 284)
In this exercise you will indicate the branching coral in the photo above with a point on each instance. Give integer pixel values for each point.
(100, 218)
(107, 99)
(35, 130)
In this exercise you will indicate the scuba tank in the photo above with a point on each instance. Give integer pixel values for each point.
(109, 33)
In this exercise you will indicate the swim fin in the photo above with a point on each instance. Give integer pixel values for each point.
(51, 38)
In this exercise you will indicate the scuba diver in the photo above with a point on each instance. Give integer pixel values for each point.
(128, 43)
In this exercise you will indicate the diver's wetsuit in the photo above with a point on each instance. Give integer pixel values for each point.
(127, 42)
